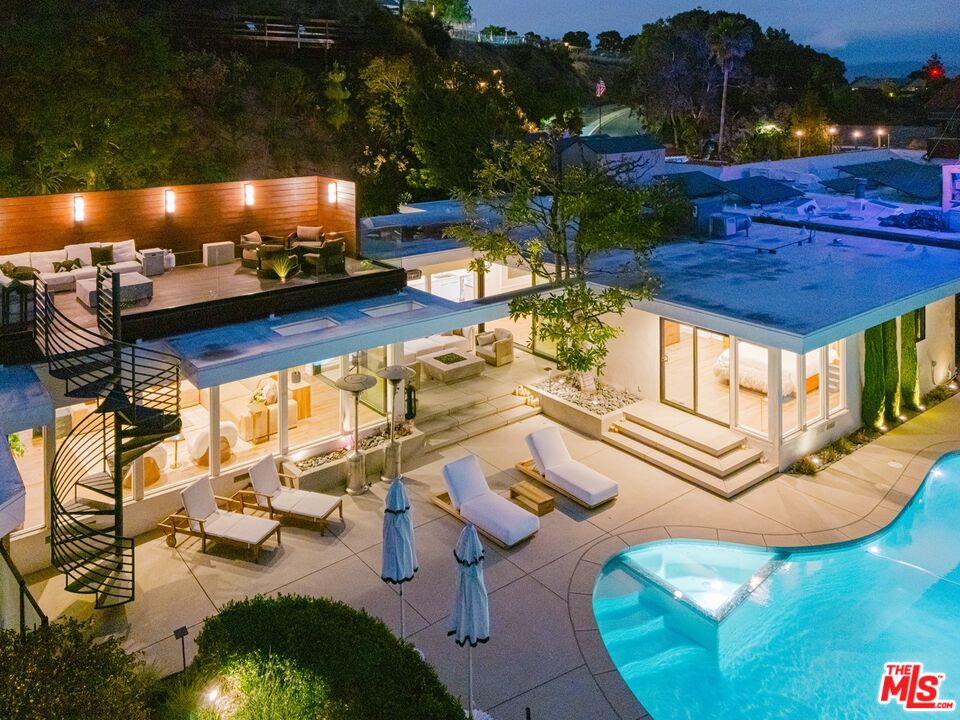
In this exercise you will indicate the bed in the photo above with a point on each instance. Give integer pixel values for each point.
(753, 370)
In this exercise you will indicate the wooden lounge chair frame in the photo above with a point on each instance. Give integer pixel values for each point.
(529, 468)
(442, 501)
(180, 522)
(254, 497)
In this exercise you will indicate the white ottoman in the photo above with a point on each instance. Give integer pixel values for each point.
(133, 287)
(219, 253)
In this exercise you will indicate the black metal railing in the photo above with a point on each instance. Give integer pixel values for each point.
(317, 33)
(29, 614)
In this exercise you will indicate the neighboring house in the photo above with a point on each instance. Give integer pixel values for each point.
(643, 154)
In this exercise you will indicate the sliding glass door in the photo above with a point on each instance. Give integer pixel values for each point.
(694, 370)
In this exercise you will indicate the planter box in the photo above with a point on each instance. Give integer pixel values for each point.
(574, 416)
(333, 475)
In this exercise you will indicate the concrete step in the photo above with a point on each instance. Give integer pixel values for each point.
(467, 430)
(694, 431)
(722, 466)
(726, 487)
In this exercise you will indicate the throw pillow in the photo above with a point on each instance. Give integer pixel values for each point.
(7, 269)
(101, 255)
(65, 265)
(269, 390)
(22, 272)
(310, 233)
(253, 237)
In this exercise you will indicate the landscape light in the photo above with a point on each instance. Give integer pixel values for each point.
(248, 195)
(169, 201)
(332, 193)
(79, 209)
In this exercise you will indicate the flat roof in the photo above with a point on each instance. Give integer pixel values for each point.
(778, 289)
(24, 401)
(235, 352)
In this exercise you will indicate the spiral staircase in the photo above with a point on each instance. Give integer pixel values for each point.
(137, 406)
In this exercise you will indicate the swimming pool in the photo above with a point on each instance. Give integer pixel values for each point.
(705, 630)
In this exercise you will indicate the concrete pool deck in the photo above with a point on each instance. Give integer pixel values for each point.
(545, 651)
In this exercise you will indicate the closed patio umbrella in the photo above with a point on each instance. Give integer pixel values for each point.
(470, 617)
(399, 547)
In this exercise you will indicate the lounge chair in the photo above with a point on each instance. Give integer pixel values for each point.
(553, 466)
(470, 499)
(203, 518)
(268, 493)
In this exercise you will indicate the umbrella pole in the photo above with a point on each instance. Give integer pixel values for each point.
(470, 680)
(403, 633)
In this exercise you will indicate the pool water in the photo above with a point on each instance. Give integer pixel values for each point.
(706, 630)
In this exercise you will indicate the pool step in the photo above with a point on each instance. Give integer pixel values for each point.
(670, 652)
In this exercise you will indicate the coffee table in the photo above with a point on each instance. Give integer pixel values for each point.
(133, 287)
(468, 365)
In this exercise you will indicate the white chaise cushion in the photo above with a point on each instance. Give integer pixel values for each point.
(500, 518)
(465, 480)
(264, 477)
(547, 447)
(590, 487)
(240, 528)
(305, 502)
(198, 502)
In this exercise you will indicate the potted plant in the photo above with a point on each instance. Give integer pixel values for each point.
(16, 447)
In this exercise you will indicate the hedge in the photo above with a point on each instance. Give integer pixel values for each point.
(872, 400)
(324, 660)
(60, 672)
(909, 381)
(891, 371)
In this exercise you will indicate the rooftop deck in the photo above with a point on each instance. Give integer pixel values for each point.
(195, 297)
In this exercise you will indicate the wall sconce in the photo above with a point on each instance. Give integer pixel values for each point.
(248, 195)
(332, 193)
(79, 209)
(169, 201)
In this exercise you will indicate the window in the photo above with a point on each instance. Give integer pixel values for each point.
(921, 324)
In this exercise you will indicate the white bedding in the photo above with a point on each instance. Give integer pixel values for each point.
(753, 369)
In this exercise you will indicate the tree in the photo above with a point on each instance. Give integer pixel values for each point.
(729, 41)
(909, 385)
(579, 39)
(610, 41)
(933, 70)
(454, 11)
(872, 396)
(337, 94)
(551, 221)
(891, 371)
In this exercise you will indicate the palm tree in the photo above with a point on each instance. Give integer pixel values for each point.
(729, 40)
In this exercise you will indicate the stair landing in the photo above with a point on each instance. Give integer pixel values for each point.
(702, 434)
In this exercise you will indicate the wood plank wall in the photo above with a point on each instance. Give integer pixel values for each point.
(204, 213)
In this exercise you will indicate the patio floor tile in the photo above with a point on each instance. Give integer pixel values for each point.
(572, 695)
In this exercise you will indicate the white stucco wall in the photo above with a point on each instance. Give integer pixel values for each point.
(633, 362)
(935, 354)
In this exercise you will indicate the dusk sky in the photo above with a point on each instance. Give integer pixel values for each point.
(857, 31)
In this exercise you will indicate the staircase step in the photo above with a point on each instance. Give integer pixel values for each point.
(95, 573)
(171, 425)
(726, 487)
(722, 466)
(458, 433)
(117, 590)
(128, 456)
(98, 482)
(94, 388)
(81, 364)
(676, 653)
(694, 431)
(114, 400)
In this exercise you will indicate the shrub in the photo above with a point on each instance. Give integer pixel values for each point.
(60, 672)
(909, 381)
(872, 401)
(891, 371)
(308, 657)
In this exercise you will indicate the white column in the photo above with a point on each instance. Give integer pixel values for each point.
(824, 382)
(801, 385)
(283, 411)
(774, 403)
(49, 453)
(214, 428)
(733, 384)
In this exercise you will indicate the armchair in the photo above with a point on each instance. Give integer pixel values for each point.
(496, 347)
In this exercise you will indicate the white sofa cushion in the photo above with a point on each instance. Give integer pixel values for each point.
(124, 251)
(547, 447)
(81, 252)
(43, 261)
(465, 480)
(59, 281)
(450, 342)
(127, 266)
(582, 482)
(84, 273)
(20, 259)
(500, 518)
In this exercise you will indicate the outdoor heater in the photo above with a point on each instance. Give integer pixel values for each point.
(356, 383)
(393, 374)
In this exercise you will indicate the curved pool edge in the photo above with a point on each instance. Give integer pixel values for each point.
(583, 620)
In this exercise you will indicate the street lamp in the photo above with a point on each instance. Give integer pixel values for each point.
(880, 133)
(856, 136)
(832, 132)
(799, 134)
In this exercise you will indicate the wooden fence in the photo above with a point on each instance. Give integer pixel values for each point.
(200, 214)
(266, 30)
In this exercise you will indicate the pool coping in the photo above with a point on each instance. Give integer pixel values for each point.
(597, 554)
